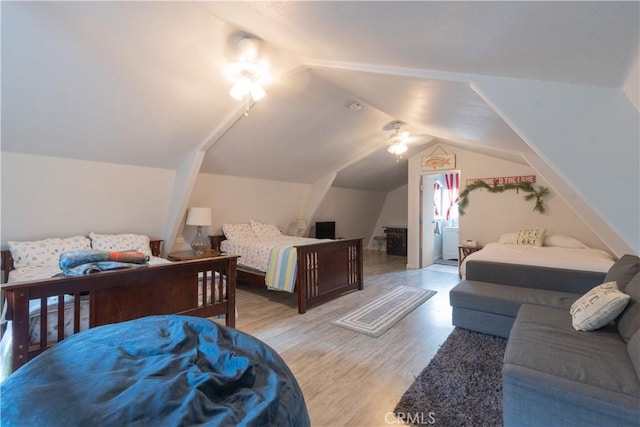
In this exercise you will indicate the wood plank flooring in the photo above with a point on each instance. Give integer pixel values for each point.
(350, 379)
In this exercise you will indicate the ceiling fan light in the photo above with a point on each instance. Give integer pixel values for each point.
(397, 148)
(241, 88)
(257, 92)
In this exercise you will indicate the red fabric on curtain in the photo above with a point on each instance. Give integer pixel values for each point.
(453, 185)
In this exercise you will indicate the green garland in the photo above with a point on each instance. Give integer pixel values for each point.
(538, 194)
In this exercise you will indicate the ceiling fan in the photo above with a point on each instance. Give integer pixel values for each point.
(398, 140)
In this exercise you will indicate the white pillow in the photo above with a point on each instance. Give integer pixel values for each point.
(238, 231)
(45, 253)
(561, 241)
(120, 242)
(265, 230)
(508, 238)
(598, 307)
(533, 237)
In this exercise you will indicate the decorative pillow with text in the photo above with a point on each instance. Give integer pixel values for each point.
(599, 306)
(533, 237)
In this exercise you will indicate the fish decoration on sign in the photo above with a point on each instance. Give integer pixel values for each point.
(438, 162)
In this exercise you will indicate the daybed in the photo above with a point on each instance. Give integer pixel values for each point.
(200, 288)
(317, 270)
(555, 251)
(156, 371)
(554, 374)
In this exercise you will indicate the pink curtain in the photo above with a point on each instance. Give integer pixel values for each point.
(453, 185)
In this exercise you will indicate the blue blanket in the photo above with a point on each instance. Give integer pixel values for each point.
(155, 371)
(86, 261)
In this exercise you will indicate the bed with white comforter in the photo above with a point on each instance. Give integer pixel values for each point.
(557, 252)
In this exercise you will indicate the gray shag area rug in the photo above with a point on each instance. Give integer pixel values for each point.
(461, 386)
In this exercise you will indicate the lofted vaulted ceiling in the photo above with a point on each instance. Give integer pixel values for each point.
(141, 83)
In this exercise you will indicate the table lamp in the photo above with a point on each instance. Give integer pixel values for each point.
(199, 217)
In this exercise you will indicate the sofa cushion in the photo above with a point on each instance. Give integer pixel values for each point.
(623, 270)
(629, 321)
(633, 348)
(543, 341)
(599, 306)
(505, 300)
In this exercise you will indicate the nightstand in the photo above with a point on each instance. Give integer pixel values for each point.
(463, 252)
(190, 255)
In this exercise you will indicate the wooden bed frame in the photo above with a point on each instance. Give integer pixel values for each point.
(120, 295)
(324, 270)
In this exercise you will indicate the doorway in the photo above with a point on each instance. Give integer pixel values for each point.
(439, 229)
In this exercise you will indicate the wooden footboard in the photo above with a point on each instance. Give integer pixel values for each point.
(185, 288)
(325, 270)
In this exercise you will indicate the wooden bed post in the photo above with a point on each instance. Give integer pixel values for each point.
(18, 312)
(230, 318)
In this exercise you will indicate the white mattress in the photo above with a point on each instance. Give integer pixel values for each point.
(545, 256)
(254, 253)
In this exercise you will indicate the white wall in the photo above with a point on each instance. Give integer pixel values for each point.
(588, 136)
(631, 85)
(393, 212)
(490, 214)
(238, 200)
(354, 211)
(54, 197)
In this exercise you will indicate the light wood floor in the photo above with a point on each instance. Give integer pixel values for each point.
(350, 379)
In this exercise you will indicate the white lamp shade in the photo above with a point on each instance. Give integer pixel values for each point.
(199, 216)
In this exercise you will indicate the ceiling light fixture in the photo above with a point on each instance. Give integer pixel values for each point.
(248, 74)
(398, 141)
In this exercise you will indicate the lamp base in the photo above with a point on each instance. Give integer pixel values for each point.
(199, 243)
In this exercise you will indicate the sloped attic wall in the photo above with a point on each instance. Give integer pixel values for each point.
(46, 197)
(489, 215)
(236, 200)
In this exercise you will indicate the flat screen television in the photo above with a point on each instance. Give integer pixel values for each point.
(326, 230)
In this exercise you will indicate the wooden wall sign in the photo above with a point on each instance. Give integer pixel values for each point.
(502, 180)
(438, 162)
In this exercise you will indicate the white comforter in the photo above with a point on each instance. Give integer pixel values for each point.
(545, 256)
(254, 252)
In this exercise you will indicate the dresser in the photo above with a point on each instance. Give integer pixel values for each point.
(450, 243)
(396, 240)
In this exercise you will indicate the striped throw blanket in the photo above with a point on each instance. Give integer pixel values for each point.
(281, 270)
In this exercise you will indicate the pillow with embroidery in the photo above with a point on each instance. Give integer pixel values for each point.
(598, 307)
(533, 237)
(44, 253)
(120, 242)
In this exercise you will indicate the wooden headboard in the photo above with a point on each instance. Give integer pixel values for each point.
(215, 241)
(7, 259)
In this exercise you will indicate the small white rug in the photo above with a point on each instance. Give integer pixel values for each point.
(377, 317)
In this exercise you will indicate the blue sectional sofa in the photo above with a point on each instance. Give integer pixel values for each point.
(553, 374)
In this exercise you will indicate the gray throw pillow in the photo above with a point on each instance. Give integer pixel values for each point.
(623, 271)
(629, 320)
